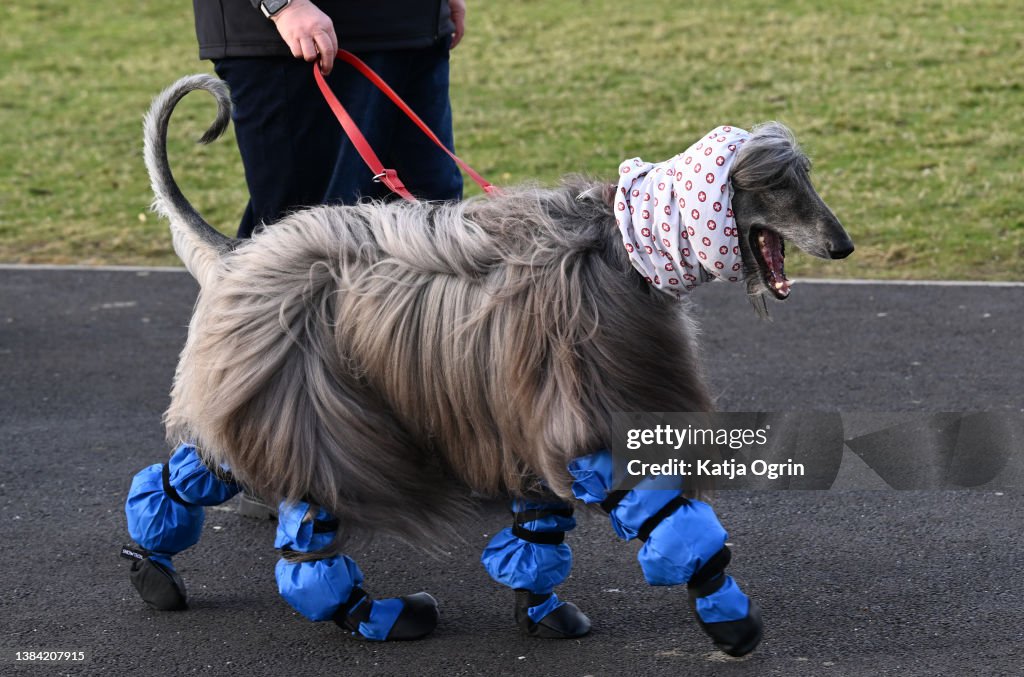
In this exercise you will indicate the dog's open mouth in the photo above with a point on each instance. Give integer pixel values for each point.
(770, 252)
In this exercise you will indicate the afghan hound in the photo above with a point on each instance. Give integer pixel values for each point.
(375, 361)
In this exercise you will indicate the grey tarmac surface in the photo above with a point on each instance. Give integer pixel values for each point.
(850, 582)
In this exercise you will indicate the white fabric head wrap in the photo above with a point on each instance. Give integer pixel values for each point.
(676, 217)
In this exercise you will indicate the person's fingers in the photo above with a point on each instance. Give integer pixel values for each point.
(327, 51)
(333, 36)
(309, 33)
(308, 48)
(458, 15)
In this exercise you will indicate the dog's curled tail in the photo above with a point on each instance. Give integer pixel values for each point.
(196, 242)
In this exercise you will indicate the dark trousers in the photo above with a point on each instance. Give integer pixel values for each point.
(294, 151)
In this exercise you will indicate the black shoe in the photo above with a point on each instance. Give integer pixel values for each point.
(565, 622)
(159, 586)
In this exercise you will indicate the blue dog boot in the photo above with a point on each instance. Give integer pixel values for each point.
(164, 510)
(532, 558)
(683, 542)
(330, 588)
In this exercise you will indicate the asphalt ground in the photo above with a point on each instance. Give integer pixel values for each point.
(850, 582)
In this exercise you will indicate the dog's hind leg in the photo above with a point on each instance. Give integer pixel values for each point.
(683, 543)
(532, 559)
(331, 588)
(165, 516)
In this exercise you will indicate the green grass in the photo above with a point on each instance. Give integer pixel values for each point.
(912, 112)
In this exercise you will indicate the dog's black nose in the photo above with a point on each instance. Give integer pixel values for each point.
(842, 252)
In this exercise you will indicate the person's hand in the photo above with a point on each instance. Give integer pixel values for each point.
(458, 12)
(309, 33)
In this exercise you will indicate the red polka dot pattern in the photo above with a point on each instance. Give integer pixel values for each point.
(700, 239)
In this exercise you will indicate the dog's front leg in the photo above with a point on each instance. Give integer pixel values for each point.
(683, 543)
(532, 559)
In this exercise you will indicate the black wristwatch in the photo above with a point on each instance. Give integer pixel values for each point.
(272, 7)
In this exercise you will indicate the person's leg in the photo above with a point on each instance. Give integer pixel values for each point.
(287, 136)
(376, 117)
(294, 151)
(532, 559)
(165, 516)
(427, 171)
(350, 179)
(420, 77)
(330, 588)
(683, 543)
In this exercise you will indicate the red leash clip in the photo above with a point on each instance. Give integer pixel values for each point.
(389, 177)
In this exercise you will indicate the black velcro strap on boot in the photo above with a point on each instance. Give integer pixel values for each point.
(525, 598)
(531, 515)
(348, 617)
(708, 579)
(738, 637)
(325, 526)
(134, 553)
(654, 520)
(540, 537)
(612, 500)
(171, 492)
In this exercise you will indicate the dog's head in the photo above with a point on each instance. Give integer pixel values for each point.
(774, 202)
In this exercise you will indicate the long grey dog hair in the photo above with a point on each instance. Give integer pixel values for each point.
(364, 357)
(771, 156)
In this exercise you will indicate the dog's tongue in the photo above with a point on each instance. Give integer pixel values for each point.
(772, 252)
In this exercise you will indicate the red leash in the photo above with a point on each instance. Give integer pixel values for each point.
(389, 177)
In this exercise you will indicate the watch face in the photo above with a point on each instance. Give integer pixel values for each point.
(271, 7)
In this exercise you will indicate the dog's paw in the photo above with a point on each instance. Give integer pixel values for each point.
(160, 586)
(388, 620)
(564, 621)
(737, 638)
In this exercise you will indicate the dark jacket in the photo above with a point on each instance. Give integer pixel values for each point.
(236, 28)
